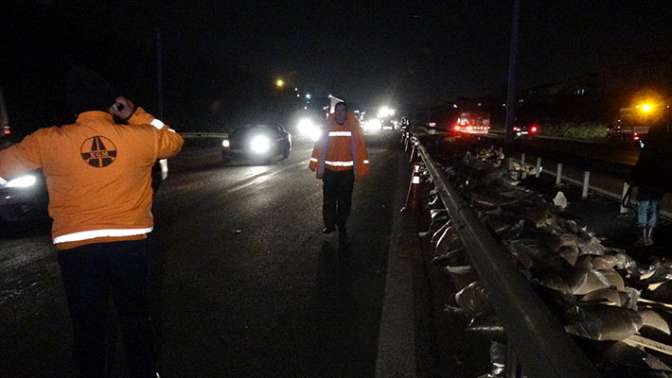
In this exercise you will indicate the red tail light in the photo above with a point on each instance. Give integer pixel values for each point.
(534, 129)
(457, 127)
(635, 136)
(6, 130)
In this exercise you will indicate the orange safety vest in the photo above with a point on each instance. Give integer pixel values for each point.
(98, 173)
(341, 148)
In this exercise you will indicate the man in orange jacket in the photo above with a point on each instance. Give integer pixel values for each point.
(339, 158)
(99, 180)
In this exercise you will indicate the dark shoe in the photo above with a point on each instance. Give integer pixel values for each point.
(649, 237)
(328, 230)
(643, 238)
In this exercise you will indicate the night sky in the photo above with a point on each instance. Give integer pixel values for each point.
(368, 53)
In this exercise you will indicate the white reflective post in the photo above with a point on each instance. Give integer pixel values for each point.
(558, 175)
(523, 166)
(538, 167)
(586, 184)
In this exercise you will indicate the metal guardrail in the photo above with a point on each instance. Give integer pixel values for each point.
(537, 336)
(204, 135)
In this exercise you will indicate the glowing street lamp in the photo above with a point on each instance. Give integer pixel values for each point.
(280, 83)
(645, 108)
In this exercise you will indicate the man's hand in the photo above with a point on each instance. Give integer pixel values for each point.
(123, 108)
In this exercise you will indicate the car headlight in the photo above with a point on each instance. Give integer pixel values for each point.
(307, 128)
(260, 144)
(315, 134)
(226, 143)
(373, 125)
(22, 182)
(304, 126)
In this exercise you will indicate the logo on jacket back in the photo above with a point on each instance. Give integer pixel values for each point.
(98, 151)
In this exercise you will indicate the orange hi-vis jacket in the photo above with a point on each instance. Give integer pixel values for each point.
(98, 174)
(341, 148)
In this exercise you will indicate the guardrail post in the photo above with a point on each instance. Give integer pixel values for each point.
(538, 168)
(558, 175)
(626, 187)
(586, 184)
(522, 165)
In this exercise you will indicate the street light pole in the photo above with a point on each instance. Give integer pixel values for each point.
(511, 99)
(159, 71)
(4, 118)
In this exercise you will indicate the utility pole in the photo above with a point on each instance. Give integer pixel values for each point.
(159, 71)
(511, 98)
(4, 117)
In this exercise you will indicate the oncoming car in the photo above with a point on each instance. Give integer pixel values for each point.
(23, 198)
(257, 142)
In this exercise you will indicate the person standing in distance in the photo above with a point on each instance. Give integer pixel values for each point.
(339, 158)
(99, 180)
(652, 175)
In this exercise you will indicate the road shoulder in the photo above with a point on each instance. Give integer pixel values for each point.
(397, 349)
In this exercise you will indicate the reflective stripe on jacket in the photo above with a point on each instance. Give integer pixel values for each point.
(98, 174)
(341, 148)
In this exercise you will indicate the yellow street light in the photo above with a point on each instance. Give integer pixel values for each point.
(279, 83)
(645, 108)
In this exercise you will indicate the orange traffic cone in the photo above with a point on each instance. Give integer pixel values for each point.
(413, 196)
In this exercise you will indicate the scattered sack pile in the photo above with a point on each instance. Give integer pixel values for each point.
(617, 306)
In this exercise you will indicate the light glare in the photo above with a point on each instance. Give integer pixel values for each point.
(22, 182)
(260, 144)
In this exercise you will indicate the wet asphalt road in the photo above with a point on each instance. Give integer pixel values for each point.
(244, 282)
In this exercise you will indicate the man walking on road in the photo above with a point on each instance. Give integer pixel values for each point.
(339, 158)
(653, 177)
(99, 179)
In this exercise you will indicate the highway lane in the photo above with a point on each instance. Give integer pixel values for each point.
(244, 282)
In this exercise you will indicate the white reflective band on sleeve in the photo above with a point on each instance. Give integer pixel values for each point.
(339, 163)
(340, 133)
(366, 162)
(164, 169)
(3, 181)
(313, 159)
(416, 180)
(157, 123)
(109, 233)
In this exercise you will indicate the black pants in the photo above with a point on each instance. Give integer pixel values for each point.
(337, 197)
(91, 275)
